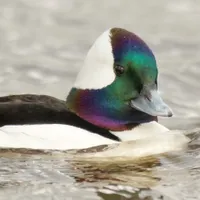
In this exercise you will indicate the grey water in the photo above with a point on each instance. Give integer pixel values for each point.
(42, 47)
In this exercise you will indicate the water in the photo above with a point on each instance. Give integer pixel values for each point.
(43, 44)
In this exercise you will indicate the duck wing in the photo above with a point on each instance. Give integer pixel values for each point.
(32, 109)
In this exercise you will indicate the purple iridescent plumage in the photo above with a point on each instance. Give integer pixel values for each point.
(123, 41)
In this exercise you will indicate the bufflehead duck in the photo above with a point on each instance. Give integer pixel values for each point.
(114, 98)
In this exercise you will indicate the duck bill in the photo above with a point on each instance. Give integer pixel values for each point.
(151, 103)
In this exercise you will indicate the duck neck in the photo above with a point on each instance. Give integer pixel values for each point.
(105, 111)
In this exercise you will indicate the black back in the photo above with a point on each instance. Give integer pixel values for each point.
(43, 109)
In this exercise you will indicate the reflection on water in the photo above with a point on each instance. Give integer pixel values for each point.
(43, 44)
(41, 173)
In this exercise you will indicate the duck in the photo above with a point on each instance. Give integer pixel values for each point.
(114, 99)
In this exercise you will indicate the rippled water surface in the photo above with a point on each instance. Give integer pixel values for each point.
(43, 44)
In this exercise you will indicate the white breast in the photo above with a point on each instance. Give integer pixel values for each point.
(144, 130)
(145, 140)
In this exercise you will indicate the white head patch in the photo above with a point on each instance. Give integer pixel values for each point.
(97, 71)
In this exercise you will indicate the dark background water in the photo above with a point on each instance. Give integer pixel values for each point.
(42, 47)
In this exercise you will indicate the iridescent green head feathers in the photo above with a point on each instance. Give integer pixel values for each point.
(117, 85)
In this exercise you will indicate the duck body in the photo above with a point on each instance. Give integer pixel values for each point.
(44, 122)
(66, 137)
(114, 99)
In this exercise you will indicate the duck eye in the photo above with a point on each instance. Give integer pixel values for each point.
(119, 70)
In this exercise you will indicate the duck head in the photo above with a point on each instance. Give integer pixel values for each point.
(116, 88)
